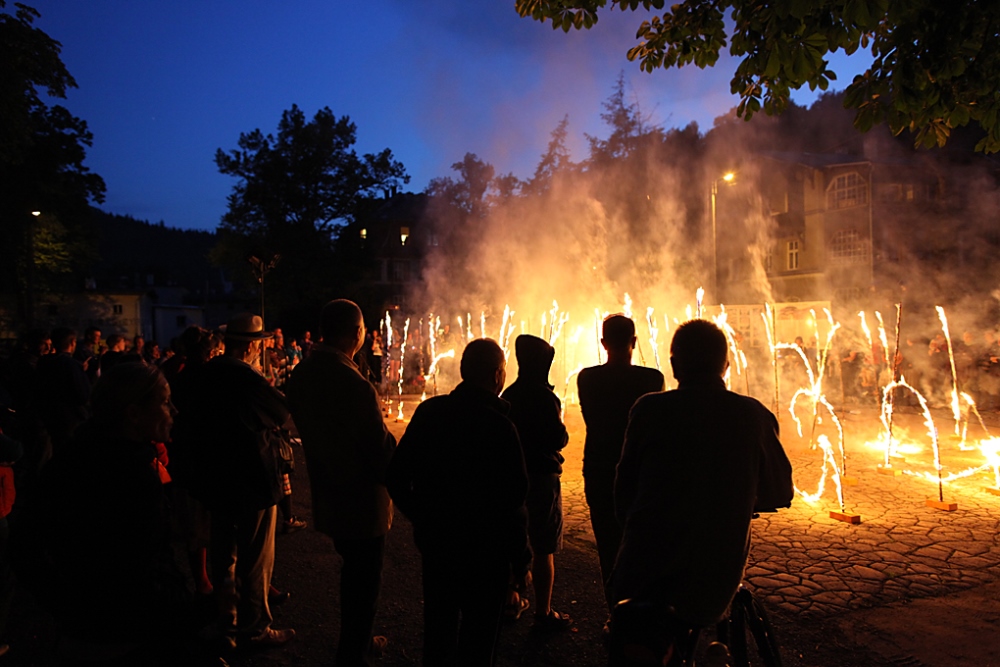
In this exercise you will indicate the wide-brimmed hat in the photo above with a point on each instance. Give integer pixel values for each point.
(246, 326)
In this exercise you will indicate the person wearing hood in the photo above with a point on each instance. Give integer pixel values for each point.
(537, 413)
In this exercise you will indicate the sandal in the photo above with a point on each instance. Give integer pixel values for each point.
(553, 622)
(514, 610)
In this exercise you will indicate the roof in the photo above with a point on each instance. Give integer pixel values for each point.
(825, 160)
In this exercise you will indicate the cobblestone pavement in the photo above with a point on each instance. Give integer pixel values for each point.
(803, 561)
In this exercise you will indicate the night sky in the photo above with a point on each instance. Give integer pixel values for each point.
(162, 85)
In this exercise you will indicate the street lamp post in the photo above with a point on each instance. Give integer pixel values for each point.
(29, 297)
(260, 268)
(728, 178)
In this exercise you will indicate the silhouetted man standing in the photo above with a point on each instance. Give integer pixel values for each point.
(347, 448)
(232, 424)
(607, 393)
(459, 476)
(61, 390)
(537, 414)
(697, 462)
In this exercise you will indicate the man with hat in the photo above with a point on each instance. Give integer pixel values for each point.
(233, 420)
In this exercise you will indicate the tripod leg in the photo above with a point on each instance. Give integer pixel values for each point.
(737, 634)
(763, 634)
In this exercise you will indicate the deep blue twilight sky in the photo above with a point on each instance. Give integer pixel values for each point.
(162, 85)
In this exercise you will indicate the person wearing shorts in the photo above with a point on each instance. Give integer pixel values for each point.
(537, 413)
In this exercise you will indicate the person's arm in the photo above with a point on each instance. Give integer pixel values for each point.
(559, 434)
(627, 477)
(10, 450)
(403, 470)
(373, 434)
(774, 485)
(270, 404)
(513, 472)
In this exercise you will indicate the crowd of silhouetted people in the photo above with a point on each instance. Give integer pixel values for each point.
(150, 486)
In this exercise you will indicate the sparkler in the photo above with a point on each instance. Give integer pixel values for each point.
(834, 453)
(928, 422)
(821, 367)
(402, 358)
(506, 327)
(721, 321)
(559, 319)
(653, 331)
(991, 450)
(554, 317)
(955, 410)
(768, 316)
(387, 359)
(433, 325)
(972, 406)
(432, 371)
(828, 458)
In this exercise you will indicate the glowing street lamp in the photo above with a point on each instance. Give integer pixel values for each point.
(728, 177)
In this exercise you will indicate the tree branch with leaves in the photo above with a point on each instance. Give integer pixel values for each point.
(936, 64)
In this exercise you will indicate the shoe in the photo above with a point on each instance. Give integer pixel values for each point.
(271, 638)
(277, 598)
(378, 645)
(292, 524)
(553, 622)
(515, 610)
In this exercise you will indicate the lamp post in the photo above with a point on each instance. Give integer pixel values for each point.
(728, 177)
(29, 297)
(260, 268)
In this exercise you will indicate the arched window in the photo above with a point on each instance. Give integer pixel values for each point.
(847, 190)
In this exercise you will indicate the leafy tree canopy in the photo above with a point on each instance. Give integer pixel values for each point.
(29, 61)
(477, 188)
(936, 64)
(307, 177)
(295, 191)
(46, 223)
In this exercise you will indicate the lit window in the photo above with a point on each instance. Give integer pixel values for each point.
(793, 255)
(847, 190)
(847, 246)
(404, 233)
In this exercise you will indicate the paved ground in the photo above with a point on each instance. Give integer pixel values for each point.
(804, 562)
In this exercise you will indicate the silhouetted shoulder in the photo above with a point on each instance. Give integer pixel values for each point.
(648, 379)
